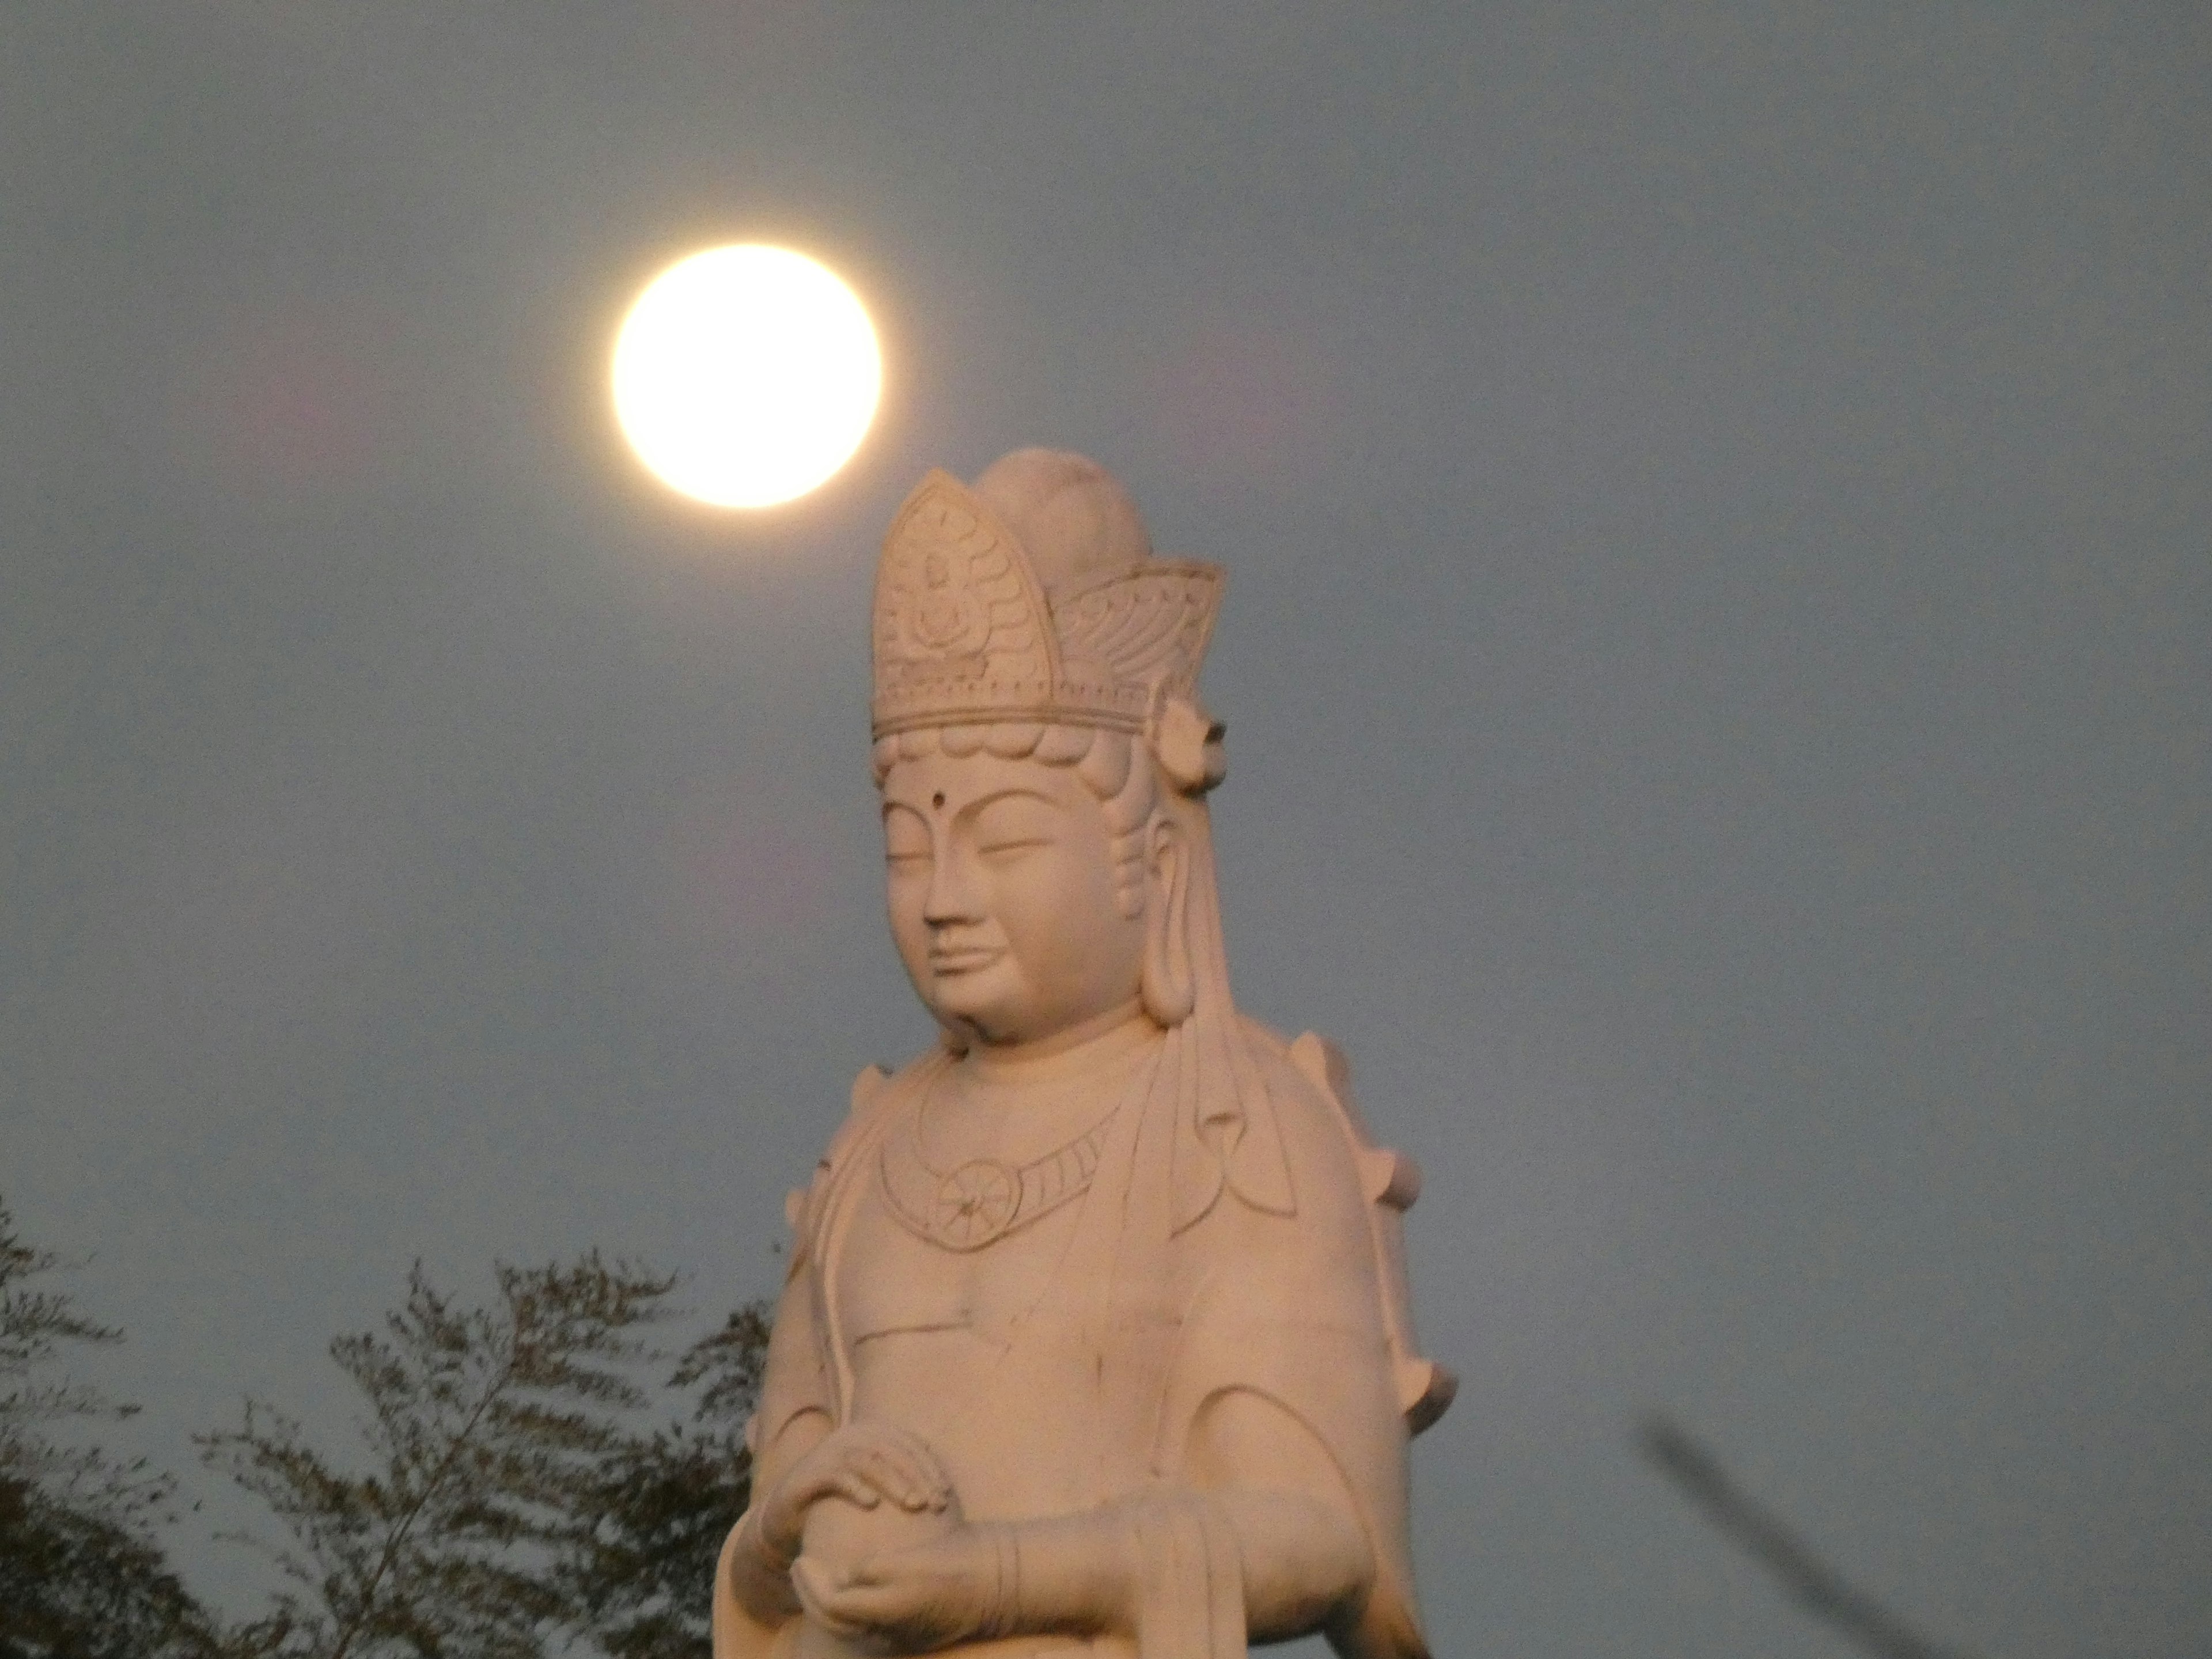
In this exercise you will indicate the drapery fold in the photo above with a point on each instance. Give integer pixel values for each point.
(1191, 1584)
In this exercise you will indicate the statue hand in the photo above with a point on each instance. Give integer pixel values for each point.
(863, 1463)
(912, 1601)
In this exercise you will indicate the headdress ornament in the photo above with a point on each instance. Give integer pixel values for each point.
(968, 632)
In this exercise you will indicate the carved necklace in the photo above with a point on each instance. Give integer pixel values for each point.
(983, 1199)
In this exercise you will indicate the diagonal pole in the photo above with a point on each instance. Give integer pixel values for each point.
(1804, 1578)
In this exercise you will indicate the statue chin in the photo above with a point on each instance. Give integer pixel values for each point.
(840, 1534)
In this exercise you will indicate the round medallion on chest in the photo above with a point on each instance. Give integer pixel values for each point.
(976, 1204)
(984, 1199)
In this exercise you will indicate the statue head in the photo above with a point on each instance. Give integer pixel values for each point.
(1040, 753)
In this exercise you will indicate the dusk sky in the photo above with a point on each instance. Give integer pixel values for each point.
(1717, 661)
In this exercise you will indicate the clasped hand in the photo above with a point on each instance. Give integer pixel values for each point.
(913, 1599)
(865, 1464)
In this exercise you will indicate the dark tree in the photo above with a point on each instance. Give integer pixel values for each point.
(81, 1570)
(510, 1506)
(666, 1501)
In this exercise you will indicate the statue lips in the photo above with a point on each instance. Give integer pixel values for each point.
(963, 958)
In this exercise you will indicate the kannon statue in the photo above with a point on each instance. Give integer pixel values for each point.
(1095, 1333)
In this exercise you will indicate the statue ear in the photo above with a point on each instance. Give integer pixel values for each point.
(1166, 984)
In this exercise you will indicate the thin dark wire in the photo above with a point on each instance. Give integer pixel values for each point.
(1805, 1579)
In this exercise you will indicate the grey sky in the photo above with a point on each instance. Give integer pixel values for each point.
(1717, 501)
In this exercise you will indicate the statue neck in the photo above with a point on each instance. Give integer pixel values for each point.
(1102, 1041)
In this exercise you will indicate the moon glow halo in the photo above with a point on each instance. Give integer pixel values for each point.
(746, 376)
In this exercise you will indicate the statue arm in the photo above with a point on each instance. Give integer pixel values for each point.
(752, 1578)
(752, 1582)
(1260, 1541)
(756, 1566)
(1301, 1553)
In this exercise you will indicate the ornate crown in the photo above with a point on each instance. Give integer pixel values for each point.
(966, 633)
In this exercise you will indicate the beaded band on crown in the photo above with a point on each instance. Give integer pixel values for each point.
(965, 632)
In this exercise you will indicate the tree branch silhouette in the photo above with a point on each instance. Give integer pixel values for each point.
(1817, 1588)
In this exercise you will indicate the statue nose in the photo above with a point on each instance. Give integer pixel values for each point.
(952, 894)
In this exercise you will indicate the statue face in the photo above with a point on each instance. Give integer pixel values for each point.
(1001, 878)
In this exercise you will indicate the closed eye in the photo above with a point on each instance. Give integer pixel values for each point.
(906, 839)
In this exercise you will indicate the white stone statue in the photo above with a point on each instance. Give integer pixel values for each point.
(1096, 1334)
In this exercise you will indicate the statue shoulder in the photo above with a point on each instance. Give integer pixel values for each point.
(875, 1095)
(1314, 1077)
(1325, 1138)
(1339, 1164)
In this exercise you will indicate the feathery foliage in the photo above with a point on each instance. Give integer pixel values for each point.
(511, 1508)
(81, 1573)
(667, 1500)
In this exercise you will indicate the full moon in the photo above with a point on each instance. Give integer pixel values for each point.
(746, 376)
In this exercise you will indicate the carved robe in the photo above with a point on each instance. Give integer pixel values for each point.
(1233, 1230)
